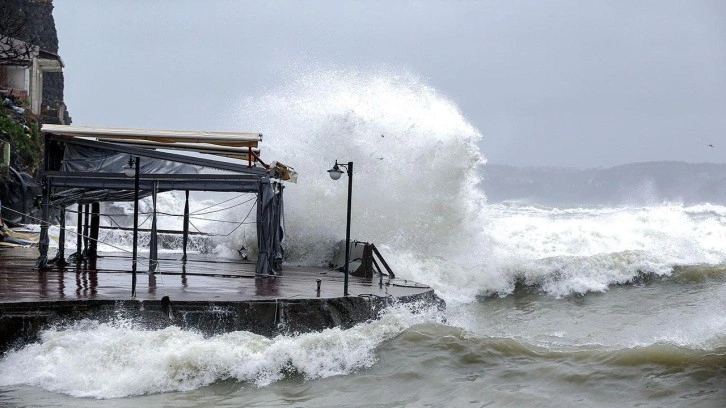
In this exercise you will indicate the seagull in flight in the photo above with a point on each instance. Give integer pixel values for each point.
(710, 145)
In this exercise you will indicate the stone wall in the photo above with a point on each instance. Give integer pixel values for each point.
(21, 323)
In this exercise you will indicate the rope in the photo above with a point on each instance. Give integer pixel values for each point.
(312, 287)
(157, 265)
(214, 205)
(229, 233)
(149, 214)
(110, 217)
(73, 232)
(221, 209)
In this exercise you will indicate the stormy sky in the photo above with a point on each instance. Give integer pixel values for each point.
(558, 83)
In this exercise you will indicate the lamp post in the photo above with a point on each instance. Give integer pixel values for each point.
(335, 174)
(131, 169)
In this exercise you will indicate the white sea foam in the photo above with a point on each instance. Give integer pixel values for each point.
(580, 250)
(415, 159)
(415, 195)
(419, 204)
(113, 360)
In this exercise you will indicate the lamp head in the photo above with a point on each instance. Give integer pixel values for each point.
(129, 168)
(335, 172)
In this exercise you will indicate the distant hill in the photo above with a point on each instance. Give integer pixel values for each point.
(629, 184)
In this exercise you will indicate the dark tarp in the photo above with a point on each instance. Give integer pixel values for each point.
(270, 228)
(92, 172)
(279, 224)
(86, 159)
(17, 193)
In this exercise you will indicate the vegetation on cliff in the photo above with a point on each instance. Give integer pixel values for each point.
(22, 132)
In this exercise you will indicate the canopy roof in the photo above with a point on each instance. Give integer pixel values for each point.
(166, 136)
(229, 144)
(86, 164)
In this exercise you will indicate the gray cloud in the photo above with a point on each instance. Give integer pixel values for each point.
(567, 83)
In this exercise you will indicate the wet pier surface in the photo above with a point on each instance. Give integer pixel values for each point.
(201, 279)
(214, 295)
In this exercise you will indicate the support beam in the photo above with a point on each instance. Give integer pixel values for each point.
(245, 183)
(60, 256)
(86, 229)
(78, 256)
(44, 239)
(347, 229)
(154, 241)
(185, 238)
(95, 224)
(136, 229)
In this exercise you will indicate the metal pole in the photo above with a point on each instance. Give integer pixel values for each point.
(86, 231)
(44, 240)
(95, 226)
(61, 258)
(185, 237)
(153, 242)
(136, 228)
(347, 227)
(79, 233)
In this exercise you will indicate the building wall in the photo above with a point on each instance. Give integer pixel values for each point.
(40, 30)
(17, 78)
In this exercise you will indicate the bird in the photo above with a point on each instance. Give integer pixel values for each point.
(710, 145)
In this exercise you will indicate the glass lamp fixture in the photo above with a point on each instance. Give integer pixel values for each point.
(335, 172)
(130, 170)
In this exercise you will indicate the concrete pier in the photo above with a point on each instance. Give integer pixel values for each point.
(205, 293)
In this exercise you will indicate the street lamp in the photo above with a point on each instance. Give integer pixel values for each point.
(131, 169)
(335, 174)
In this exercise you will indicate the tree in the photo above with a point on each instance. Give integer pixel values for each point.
(13, 28)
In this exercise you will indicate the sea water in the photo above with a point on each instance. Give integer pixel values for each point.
(571, 306)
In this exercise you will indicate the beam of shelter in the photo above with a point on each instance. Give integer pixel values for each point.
(146, 152)
(165, 136)
(241, 153)
(87, 196)
(166, 182)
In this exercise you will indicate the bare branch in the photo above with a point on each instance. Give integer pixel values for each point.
(13, 49)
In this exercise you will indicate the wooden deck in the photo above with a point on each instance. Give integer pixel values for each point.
(206, 294)
(202, 278)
